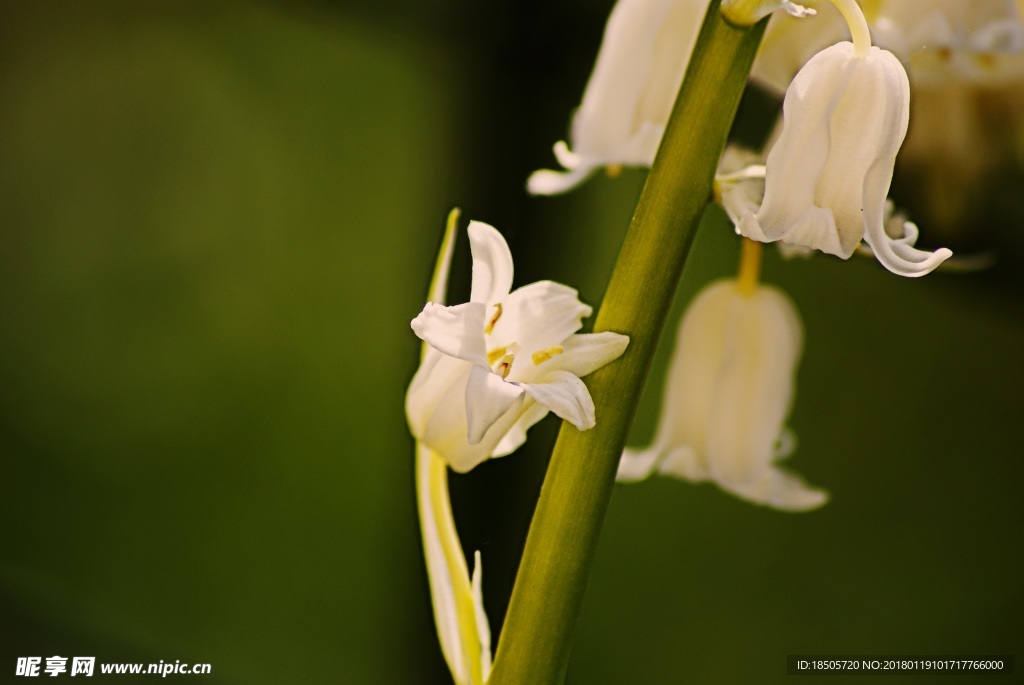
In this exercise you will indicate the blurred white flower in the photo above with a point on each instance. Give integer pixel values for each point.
(727, 395)
(827, 177)
(940, 42)
(628, 100)
(945, 42)
(500, 362)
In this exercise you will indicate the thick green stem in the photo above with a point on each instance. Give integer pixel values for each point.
(537, 635)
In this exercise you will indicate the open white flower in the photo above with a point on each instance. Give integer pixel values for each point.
(827, 177)
(500, 362)
(728, 393)
(628, 100)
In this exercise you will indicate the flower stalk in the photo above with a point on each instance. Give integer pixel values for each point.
(854, 17)
(750, 266)
(536, 638)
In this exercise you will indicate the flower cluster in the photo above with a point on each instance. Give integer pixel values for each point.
(494, 366)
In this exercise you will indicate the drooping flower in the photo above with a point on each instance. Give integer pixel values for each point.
(827, 177)
(727, 396)
(629, 97)
(500, 362)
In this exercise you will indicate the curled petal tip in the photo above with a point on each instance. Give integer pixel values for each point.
(565, 156)
(904, 260)
(550, 182)
(798, 11)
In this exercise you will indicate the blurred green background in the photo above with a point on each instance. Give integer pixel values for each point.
(216, 221)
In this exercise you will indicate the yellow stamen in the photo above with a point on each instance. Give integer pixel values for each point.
(496, 354)
(494, 319)
(544, 355)
(613, 170)
(504, 356)
(750, 267)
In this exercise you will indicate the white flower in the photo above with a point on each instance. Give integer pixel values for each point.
(500, 362)
(827, 177)
(728, 393)
(628, 100)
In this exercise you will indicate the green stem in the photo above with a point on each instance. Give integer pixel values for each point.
(537, 635)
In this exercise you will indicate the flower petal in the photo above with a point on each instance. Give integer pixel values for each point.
(867, 127)
(897, 255)
(438, 375)
(531, 413)
(900, 252)
(456, 331)
(551, 182)
(492, 264)
(754, 387)
(488, 398)
(439, 575)
(694, 370)
(800, 155)
(538, 316)
(585, 353)
(683, 462)
(779, 489)
(482, 626)
(439, 281)
(904, 259)
(448, 427)
(565, 395)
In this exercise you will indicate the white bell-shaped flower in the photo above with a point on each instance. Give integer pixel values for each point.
(827, 177)
(727, 395)
(628, 100)
(500, 362)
